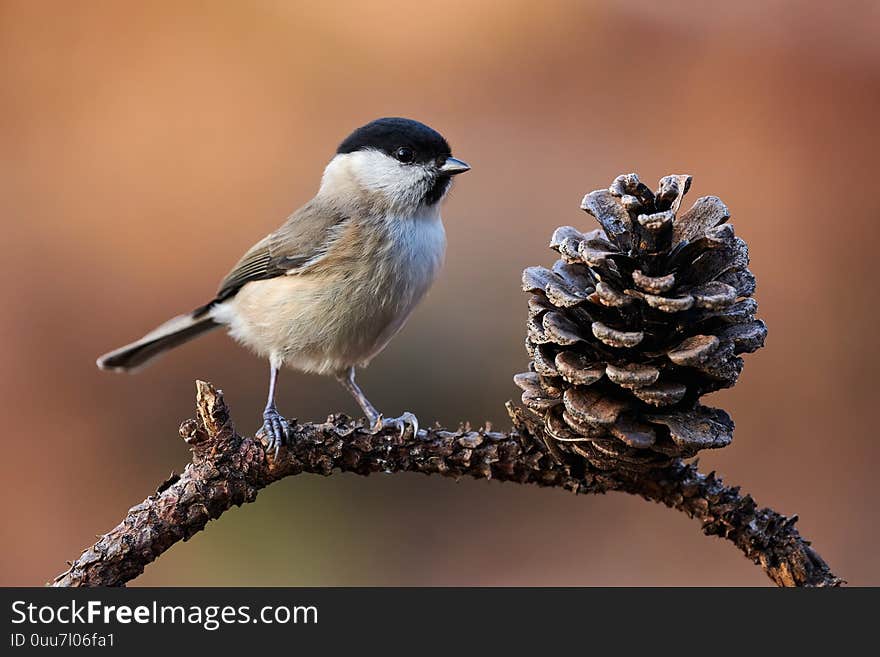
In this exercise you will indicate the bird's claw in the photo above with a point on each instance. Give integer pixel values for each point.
(277, 431)
(401, 423)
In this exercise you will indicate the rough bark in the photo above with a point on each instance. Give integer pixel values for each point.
(228, 469)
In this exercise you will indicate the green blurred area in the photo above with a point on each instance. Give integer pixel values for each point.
(144, 146)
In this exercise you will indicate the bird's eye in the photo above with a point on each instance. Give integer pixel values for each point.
(405, 155)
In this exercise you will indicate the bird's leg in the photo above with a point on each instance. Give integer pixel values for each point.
(374, 417)
(276, 428)
(346, 378)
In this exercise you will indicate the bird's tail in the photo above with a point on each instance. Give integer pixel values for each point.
(172, 333)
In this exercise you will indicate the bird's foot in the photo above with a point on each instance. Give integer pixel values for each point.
(276, 429)
(407, 420)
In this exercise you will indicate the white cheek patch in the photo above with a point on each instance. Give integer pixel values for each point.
(404, 185)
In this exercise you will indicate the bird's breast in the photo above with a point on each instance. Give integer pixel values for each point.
(416, 247)
(412, 256)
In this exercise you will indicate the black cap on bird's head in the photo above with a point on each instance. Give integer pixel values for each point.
(407, 141)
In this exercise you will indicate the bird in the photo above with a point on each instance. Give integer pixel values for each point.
(328, 290)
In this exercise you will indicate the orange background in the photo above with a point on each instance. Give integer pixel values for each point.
(144, 146)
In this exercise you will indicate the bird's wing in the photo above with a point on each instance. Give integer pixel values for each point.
(303, 240)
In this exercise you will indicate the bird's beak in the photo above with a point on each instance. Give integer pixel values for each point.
(453, 167)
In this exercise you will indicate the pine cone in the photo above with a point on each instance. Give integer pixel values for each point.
(636, 321)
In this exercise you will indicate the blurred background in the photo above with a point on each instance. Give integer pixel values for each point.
(145, 146)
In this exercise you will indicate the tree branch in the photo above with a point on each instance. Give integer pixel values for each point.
(228, 469)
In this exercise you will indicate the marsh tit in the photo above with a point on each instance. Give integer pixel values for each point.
(327, 291)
